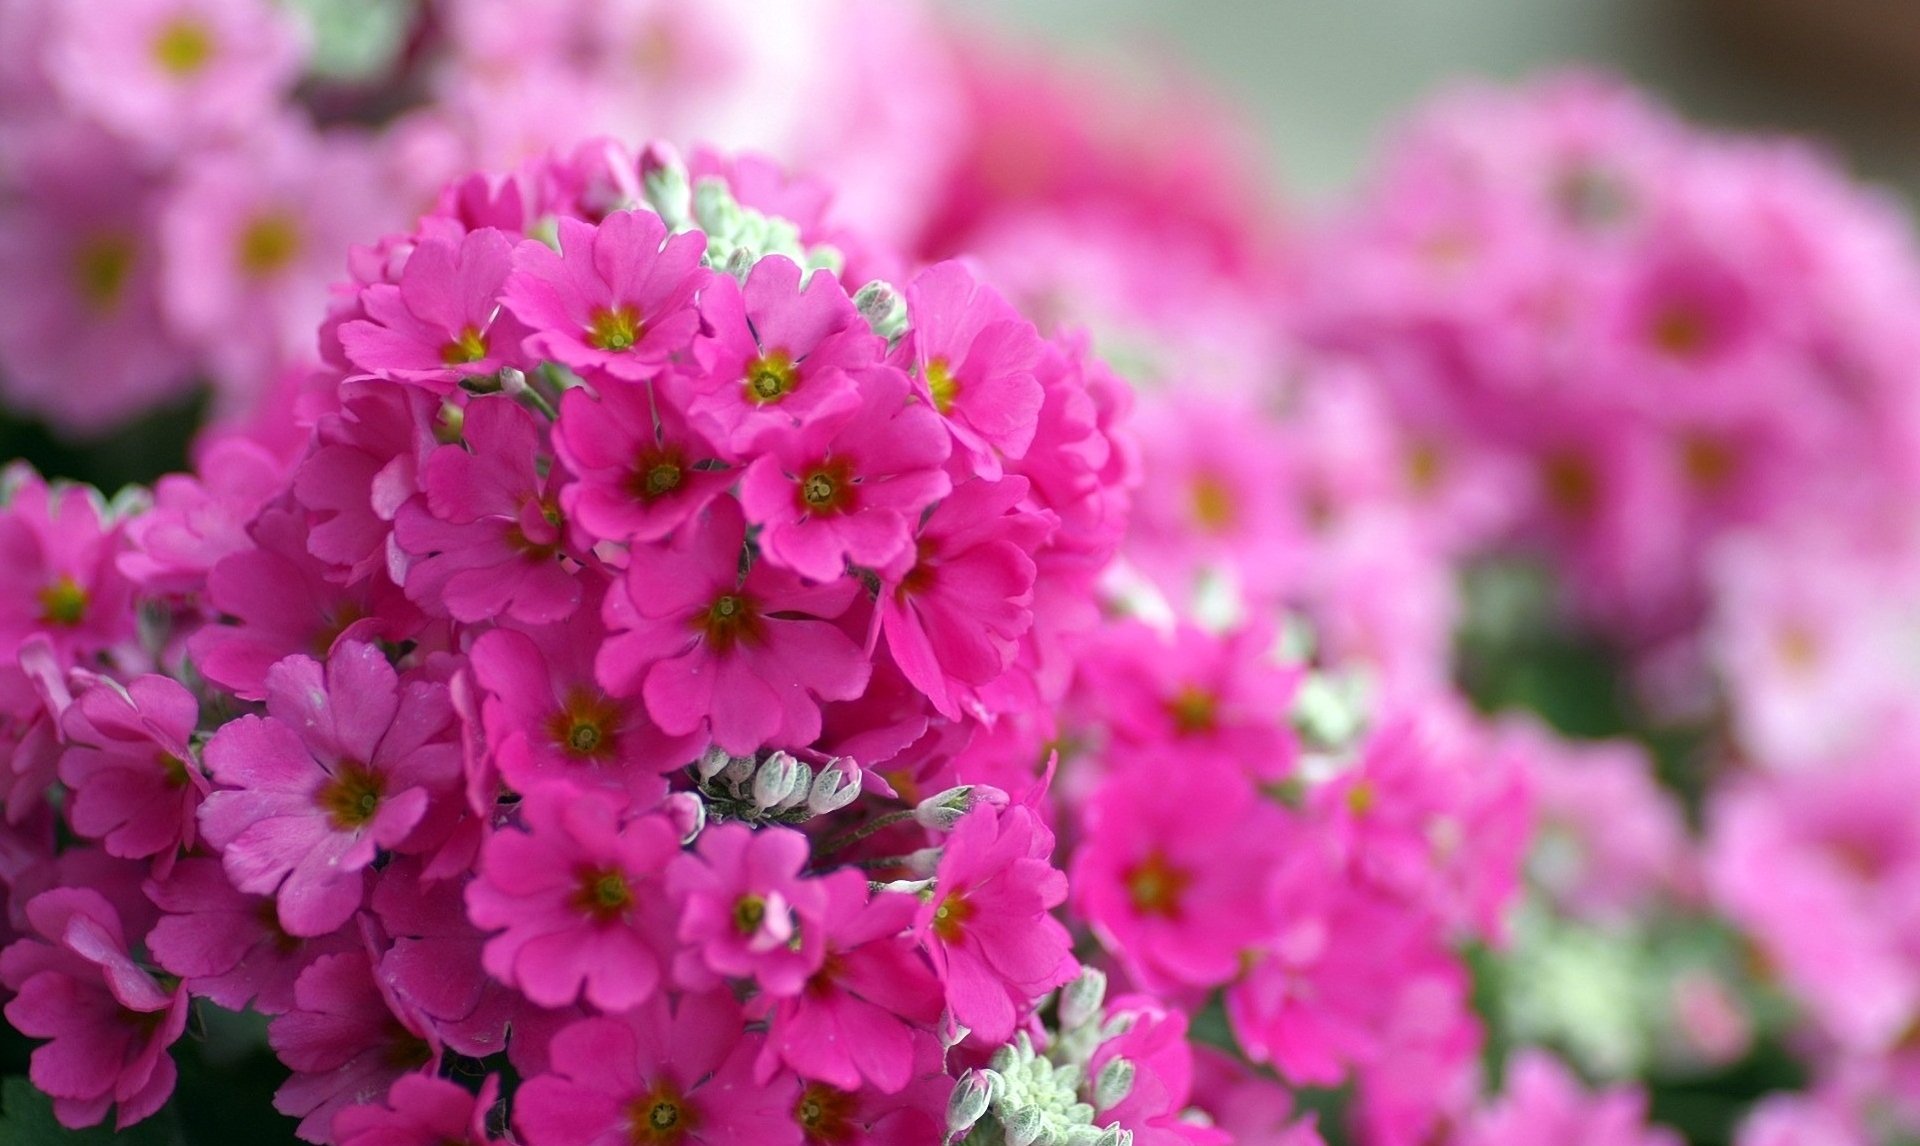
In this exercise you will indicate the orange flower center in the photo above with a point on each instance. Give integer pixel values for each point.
(1155, 886)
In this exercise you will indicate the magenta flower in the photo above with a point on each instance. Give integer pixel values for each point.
(857, 1016)
(201, 517)
(849, 485)
(778, 352)
(420, 1110)
(434, 966)
(616, 298)
(748, 658)
(283, 603)
(1545, 1102)
(1156, 1045)
(344, 764)
(746, 912)
(442, 321)
(643, 470)
(548, 720)
(109, 1021)
(487, 537)
(668, 1074)
(1174, 896)
(135, 786)
(975, 357)
(989, 927)
(953, 618)
(345, 1040)
(228, 945)
(364, 465)
(579, 901)
(58, 577)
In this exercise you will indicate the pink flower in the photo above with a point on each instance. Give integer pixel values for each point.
(345, 1040)
(616, 298)
(135, 786)
(201, 517)
(749, 658)
(442, 321)
(1156, 1045)
(344, 764)
(1223, 695)
(283, 603)
(227, 945)
(434, 964)
(548, 720)
(1177, 897)
(1544, 1102)
(849, 485)
(487, 538)
(79, 255)
(954, 616)
(778, 352)
(57, 573)
(420, 1110)
(643, 469)
(664, 1073)
(169, 73)
(362, 466)
(989, 927)
(974, 356)
(857, 1016)
(745, 910)
(579, 901)
(109, 1021)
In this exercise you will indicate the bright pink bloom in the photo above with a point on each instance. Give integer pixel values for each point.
(616, 298)
(857, 1016)
(1224, 695)
(109, 1020)
(170, 73)
(953, 618)
(487, 538)
(974, 356)
(420, 1110)
(778, 351)
(1156, 1045)
(1544, 1102)
(548, 720)
(284, 604)
(1177, 897)
(363, 465)
(58, 578)
(345, 763)
(201, 517)
(663, 1073)
(746, 912)
(989, 926)
(135, 786)
(643, 469)
(345, 1040)
(581, 899)
(227, 945)
(434, 964)
(849, 485)
(442, 321)
(749, 658)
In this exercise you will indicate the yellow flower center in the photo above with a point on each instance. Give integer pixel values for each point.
(601, 894)
(468, 346)
(770, 377)
(352, 797)
(1155, 886)
(63, 603)
(942, 385)
(269, 244)
(1213, 505)
(615, 329)
(102, 266)
(184, 47)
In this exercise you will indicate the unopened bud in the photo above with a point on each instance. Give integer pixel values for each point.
(688, 813)
(740, 263)
(939, 813)
(736, 773)
(1080, 1001)
(1025, 1126)
(1113, 1085)
(883, 308)
(663, 184)
(712, 761)
(952, 1031)
(836, 786)
(714, 207)
(775, 779)
(968, 1101)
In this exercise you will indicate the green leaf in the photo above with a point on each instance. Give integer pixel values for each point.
(26, 1119)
